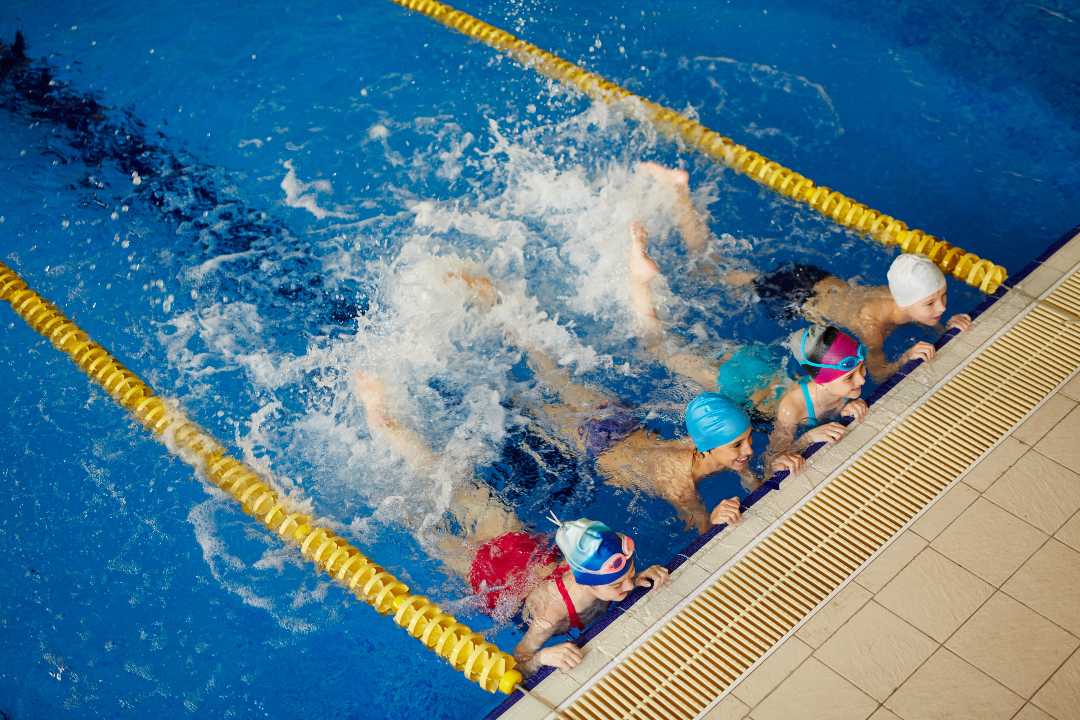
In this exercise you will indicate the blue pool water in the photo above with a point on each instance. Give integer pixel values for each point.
(245, 291)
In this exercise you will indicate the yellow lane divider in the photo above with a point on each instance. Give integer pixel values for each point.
(969, 267)
(468, 651)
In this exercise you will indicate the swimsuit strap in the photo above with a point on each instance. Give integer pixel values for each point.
(811, 416)
(571, 611)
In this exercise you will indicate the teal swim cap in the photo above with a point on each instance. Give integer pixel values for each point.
(748, 370)
(713, 420)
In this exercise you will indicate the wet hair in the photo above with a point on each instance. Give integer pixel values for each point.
(818, 341)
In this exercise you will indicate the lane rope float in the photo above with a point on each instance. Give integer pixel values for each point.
(887, 230)
(467, 651)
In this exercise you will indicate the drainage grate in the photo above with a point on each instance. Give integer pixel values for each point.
(681, 669)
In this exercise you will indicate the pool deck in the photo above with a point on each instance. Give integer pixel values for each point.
(971, 609)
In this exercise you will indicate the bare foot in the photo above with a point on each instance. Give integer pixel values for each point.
(484, 293)
(692, 226)
(642, 267)
(676, 177)
(371, 391)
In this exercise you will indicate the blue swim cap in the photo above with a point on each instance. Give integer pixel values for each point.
(597, 555)
(713, 420)
(749, 369)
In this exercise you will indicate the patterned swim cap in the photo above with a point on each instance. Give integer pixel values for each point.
(597, 555)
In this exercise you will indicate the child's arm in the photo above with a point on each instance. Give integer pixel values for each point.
(878, 365)
(530, 652)
(782, 440)
(782, 437)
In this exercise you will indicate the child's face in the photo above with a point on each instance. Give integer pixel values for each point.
(736, 454)
(929, 310)
(848, 386)
(619, 589)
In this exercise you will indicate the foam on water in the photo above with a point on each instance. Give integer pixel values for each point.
(544, 212)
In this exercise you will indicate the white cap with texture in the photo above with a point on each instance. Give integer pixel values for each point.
(914, 277)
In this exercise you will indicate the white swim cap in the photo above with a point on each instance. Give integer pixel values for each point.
(914, 277)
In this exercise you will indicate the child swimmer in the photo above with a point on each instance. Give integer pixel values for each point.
(835, 367)
(916, 293)
(556, 590)
(626, 454)
(916, 290)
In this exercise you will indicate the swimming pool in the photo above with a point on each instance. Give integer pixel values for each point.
(132, 587)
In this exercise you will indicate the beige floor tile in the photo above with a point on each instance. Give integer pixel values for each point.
(1013, 644)
(883, 713)
(656, 603)
(778, 502)
(600, 651)
(943, 363)
(946, 509)
(827, 459)
(556, 687)
(836, 612)
(1062, 443)
(730, 708)
(983, 328)
(880, 416)
(934, 594)
(728, 543)
(1070, 532)
(1072, 388)
(528, 708)
(947, 688)
(885, 566)
(1044, 419)
(907, 393)
(1060, 696)
(1039, 280)
(1049, 583)
(772, 672)
(989, 541)
(1039, 490)
(876, 650)
(1031, 712)
(1066, 258)
(815, 691)
(997, 462)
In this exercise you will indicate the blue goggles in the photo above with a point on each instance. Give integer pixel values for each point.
(846, 364)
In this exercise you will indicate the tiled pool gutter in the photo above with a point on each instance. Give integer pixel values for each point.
(634, 620)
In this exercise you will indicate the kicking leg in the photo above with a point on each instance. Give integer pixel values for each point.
(695, 233)
(643, 270)
(481, 515)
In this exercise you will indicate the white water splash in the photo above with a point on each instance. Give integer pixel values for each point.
(305, 195)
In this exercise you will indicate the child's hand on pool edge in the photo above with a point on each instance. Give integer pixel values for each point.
(856, 410)
(564, 656)
(961, 321)
(653, 577)
(792, 462)
(726, 512)
(827, 433)
(919, 351)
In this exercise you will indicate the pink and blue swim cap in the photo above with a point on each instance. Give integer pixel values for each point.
(713, 420)
(597, 555)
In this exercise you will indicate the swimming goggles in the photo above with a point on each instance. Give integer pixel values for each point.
(846, 364)
(618, 561)
(615, 563)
